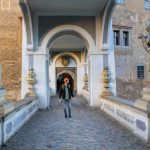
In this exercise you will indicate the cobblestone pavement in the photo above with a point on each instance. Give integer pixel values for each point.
(86, 130)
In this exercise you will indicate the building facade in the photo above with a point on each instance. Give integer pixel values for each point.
(11, 45)
(129, 20)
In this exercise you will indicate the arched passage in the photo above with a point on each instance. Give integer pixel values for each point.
(89, 69)
(65, 30)
(94, 36)
(57, 69)
(62, 30)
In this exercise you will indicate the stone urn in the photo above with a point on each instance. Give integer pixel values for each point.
(31, 82)
(105, 80)
(85, 82)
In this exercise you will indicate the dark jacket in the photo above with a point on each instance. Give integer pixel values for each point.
(62, 92)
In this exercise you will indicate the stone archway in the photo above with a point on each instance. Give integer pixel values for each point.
(56, 69)
(36, 50)
(73, 76)
(67, 29)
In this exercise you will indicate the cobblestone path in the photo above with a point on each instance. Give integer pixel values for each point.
(86, 130)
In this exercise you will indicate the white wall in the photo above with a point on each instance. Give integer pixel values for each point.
(42, 84)
(96, 68)
(111, 62)
(52, 77)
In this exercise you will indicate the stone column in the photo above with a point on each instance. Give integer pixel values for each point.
(41, 68)
(95, 68)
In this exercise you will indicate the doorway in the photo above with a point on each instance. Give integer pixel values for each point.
(60, 81)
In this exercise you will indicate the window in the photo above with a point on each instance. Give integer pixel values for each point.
(140, 72)
(125, 38)
(147, 4)
(5, 4)
(121, 1)
(122, 36)
(117, 37)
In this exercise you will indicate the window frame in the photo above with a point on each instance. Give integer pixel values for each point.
(123, 29)
(128, 38)
(114, 31)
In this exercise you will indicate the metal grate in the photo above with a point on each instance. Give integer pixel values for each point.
(140, 72)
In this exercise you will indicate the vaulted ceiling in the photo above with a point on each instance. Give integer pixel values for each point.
(68, 42)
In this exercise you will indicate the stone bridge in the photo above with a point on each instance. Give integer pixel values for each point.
(88, 129)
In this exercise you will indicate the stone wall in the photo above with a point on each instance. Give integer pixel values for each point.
(133, 17)
(10, 43)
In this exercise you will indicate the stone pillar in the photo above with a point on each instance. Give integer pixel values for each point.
(53, 78)
(41, 67)
(95, 68)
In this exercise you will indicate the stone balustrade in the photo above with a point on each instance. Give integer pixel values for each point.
(11, 122)
(124, 111)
